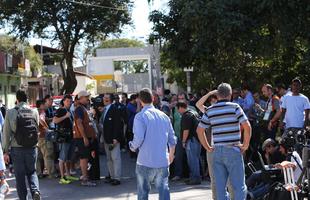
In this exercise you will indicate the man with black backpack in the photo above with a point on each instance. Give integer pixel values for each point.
(20, 136)
(190, 142)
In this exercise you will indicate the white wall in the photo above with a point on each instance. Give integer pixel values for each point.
(82, 82)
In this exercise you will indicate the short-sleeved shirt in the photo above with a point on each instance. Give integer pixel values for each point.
(189, 122)
(224, 119)
(66, 123)
(295, 110)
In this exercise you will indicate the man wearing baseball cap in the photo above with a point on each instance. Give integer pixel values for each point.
(84, 134)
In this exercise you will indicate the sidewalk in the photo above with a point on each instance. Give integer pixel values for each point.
(50, 188)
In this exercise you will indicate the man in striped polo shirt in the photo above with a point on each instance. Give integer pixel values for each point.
(225, 119)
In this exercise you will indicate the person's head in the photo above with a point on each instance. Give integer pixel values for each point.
(269, 146)
(21, 96)
(146, 96)
(212, 99)
(283, 147)
(256, 97)
(236, 93)
(182, 97)
(124, 98)
(107, 99)
(76, 100)
(67, 101)
(203, 92)
(156, 98)
(267, 90)
(133, 98)
(244, 90)
(116, 98)
(281, 89)
(83, 97)
(48, 100)
(40, 104)
(296, 86)
(182, 107)
(224, 91)
(174, 98)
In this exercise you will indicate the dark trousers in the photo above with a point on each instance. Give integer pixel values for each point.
(24, 164)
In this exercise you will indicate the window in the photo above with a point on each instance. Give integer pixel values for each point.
(13, 88)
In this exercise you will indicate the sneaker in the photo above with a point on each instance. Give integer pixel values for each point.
(176, 178)
(36, 196)
(63, 181)
(88, 183)
(73, 172)
(71, 178)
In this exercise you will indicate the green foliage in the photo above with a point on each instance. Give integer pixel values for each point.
(68, 22)
(239, 41)
(127, 67)
(14, 46)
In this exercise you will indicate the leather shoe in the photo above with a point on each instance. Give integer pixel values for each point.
(115, 182)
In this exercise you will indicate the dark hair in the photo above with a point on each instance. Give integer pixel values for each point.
(184, 94)
(21, 96)
(125, 94)
(167, 92)
(110, 95)
(133, 97)
(281, 86)
(67, 96)
(39, 103)
(76, 98)
(296, 80)
(245, 86)
(146, 96)
(47, 97)
(181, 105)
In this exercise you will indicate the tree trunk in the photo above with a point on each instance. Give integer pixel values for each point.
(70, 81)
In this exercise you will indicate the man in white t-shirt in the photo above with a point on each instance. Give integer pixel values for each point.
(295, 107)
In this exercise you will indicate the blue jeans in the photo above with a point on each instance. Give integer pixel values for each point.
(193, 150)
(146, 175)
(178, 160)
(228, 163)
(24, 164)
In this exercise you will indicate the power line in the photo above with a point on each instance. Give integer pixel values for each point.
(95, 5)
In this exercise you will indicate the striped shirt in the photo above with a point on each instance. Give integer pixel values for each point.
(224, 119)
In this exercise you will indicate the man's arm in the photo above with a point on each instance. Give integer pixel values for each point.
(57, 120)
(307, 111)
(247, 132)
(6, 135)
(116, 125)
(172, 141)
(203, 139)
(185, 137)
(139, 129)
(200, 103)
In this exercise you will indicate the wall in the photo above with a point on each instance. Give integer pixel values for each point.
(9, 84)
(82, 82)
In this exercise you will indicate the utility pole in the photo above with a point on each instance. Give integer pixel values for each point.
(188, 71)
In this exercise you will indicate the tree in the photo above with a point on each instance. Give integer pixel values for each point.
(235, 41)
(14, 46)
(127, 67)
(68, 22)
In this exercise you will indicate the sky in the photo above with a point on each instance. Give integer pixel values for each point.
(141, 26)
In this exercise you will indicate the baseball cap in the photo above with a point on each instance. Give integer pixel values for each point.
(268, 142)
(83, 93)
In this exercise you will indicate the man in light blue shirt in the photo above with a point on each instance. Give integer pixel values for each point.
(154, 138)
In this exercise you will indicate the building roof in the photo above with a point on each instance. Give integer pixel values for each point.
(83, 74)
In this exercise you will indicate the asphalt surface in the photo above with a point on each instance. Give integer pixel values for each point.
(50, 189)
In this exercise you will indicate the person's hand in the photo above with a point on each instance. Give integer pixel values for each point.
(281, 125)
(209, 149)
(93, 154)
(287, 164)
(243, 147)
(213, 92)
(184, 145)
(115, 142)
(278, 166)
(86, 142)
(6, 158)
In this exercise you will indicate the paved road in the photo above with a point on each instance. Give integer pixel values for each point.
(50, 188)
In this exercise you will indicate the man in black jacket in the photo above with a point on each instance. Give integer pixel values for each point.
(111, 124)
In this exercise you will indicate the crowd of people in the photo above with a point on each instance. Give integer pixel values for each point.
(209, 135)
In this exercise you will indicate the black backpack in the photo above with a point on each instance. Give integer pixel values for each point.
(27, 130)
